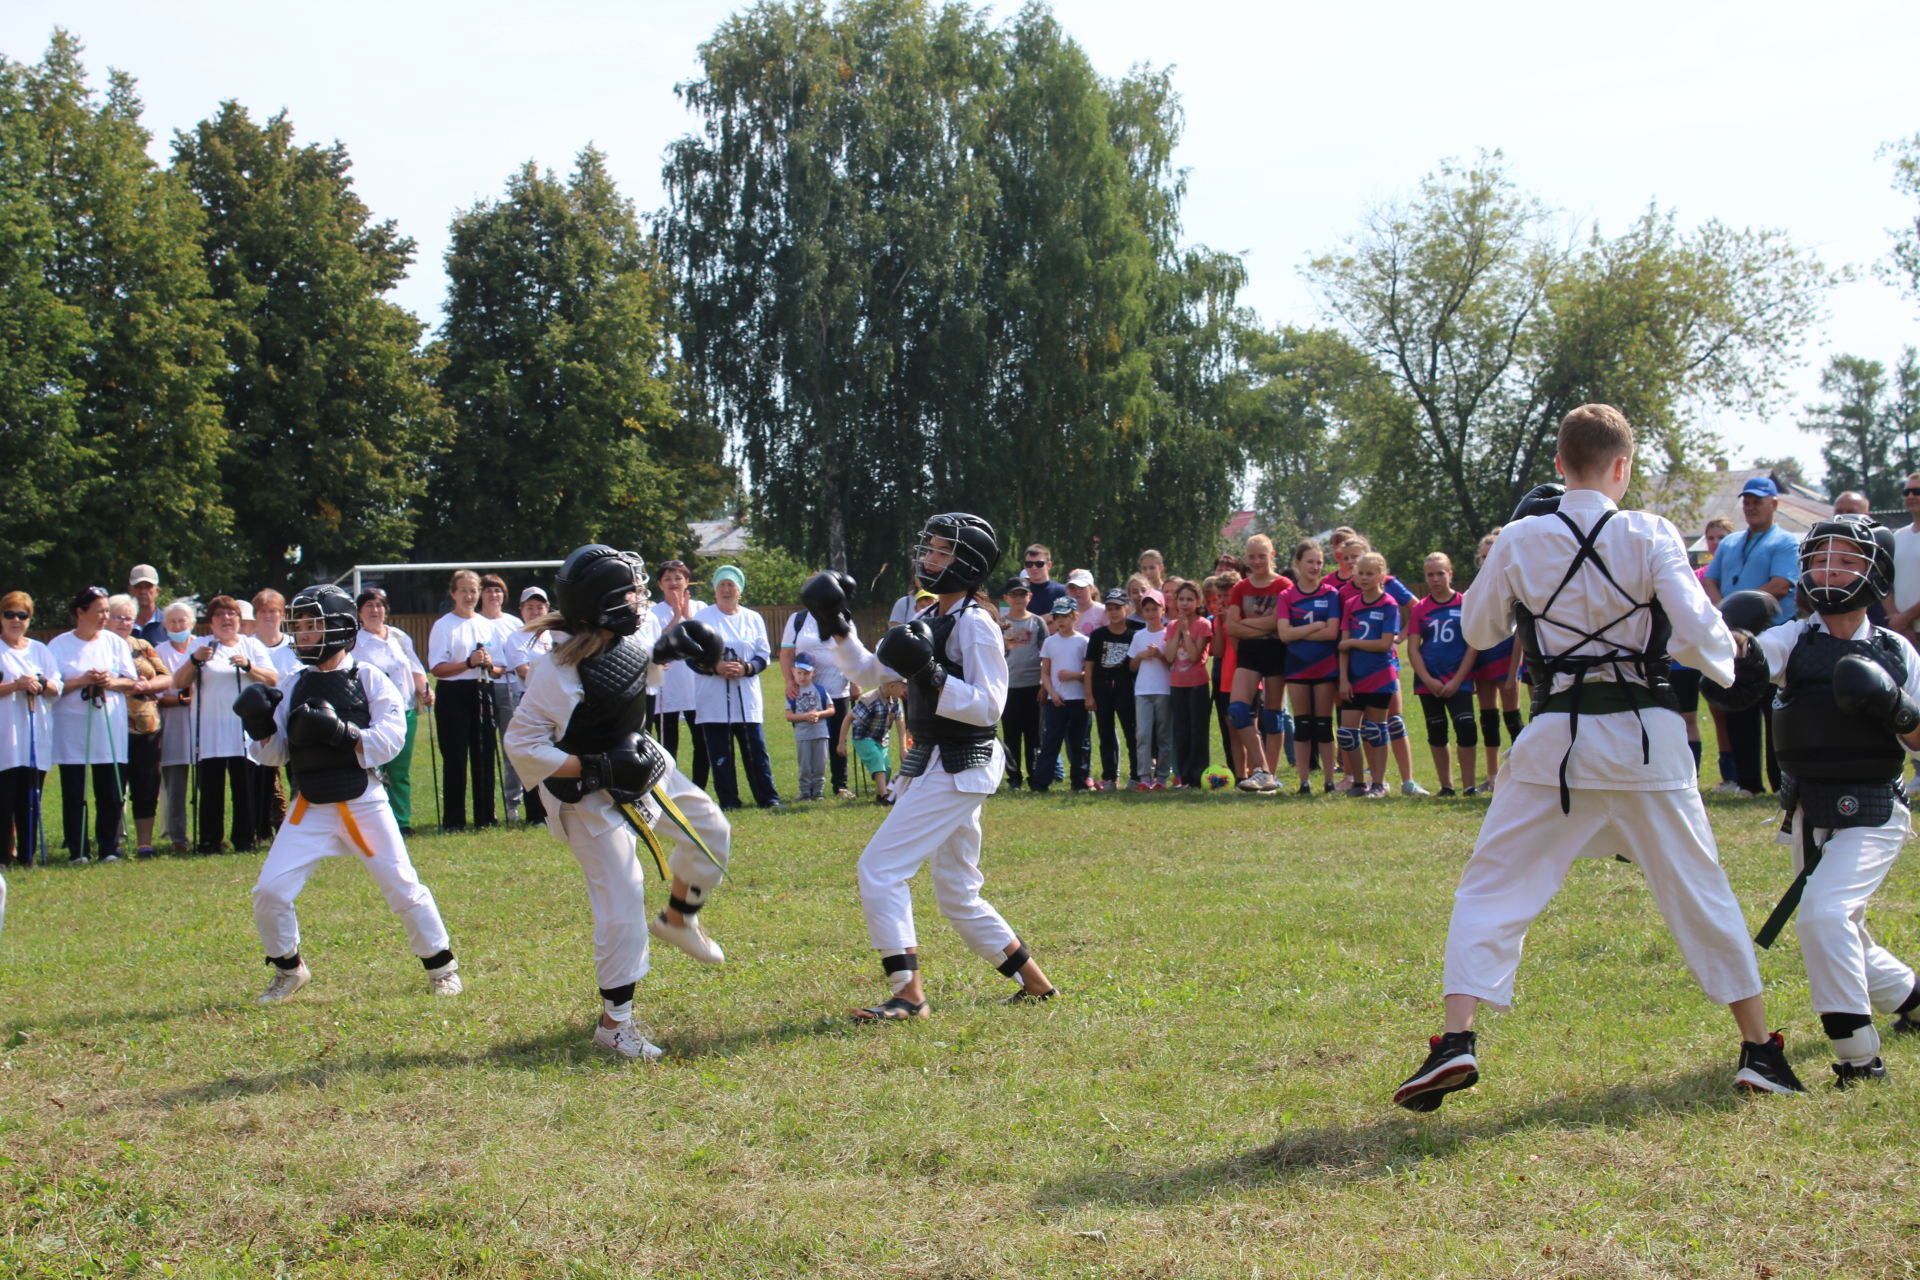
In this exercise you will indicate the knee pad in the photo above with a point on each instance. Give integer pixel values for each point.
(1240, 714)
(1396, 728)
(1490, 726)
(1347, 739)
(900, 970)
(1463, 729)
(1514, 724)
(1011, 966)
(1437, 729)
(1273, 723)
(1322, 727)
(1373, 732)
(1854, 1037)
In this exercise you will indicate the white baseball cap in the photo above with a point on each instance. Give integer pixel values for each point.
(143, 573)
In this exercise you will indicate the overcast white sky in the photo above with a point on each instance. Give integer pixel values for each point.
(1298, 118)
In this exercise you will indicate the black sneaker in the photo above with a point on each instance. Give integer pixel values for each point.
(1450, 1066)
(1445, 791)
(1846, 1074)
(1764, 1068)
(1906, 1025)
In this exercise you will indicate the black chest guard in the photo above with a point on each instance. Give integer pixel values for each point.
(613, 699)
(327, 775)
(962, 746)
(1815, 739)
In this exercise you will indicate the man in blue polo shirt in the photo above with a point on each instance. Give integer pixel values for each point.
(1760, 557)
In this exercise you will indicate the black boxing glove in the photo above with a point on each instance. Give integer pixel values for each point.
(692, 642)
(317, 724)
(1541, 500)
(826, 596)
(635, 768)
(255, 707)
(908, 651)
(1862, 687)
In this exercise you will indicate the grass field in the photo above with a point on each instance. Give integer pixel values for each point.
(1245, 980)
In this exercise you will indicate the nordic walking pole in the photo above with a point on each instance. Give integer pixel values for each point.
(198, 702)
(491, 730)
(119, 785)
(433, 762)
(37, 850)
(86, 777)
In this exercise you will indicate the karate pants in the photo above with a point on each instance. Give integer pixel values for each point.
(363, 829)
(933, 822)
(1525, 848)
(617, 872)
(1847, 971)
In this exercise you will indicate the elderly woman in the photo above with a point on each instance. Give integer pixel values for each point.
(177, 734)
(29, 682)
(727, 702)
(217, 670)
(463, 655)
(389, 650)
(152, 677)
(90, 725)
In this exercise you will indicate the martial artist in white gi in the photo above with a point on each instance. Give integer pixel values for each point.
(334, 723)
(578, 735)
(954, 662)
(1603, 768)
(1849, 703)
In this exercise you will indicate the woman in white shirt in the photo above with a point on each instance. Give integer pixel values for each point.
(677, 680)
(29, 682)
(90, 725)
(728, 702)
(217, 669)
(176, 722)
(390, 651)
(462, 654)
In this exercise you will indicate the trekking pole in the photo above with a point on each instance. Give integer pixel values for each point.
(86, 777)
(194, 800)
(433, 762)
(491, 730)
(119, 785)
(37, 849)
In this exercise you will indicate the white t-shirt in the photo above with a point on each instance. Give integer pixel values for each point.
(282, 658)
(454, 638)
(1066, 653)
(393, 658)
(16, 716)
(523, 648)
(1151, 677)
(86, 732)
(220, 682)
(176, 718)
(744, 635)
(676, 685)
(802, 635)
(1906, 568)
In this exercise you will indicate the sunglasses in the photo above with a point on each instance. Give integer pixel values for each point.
(1911, 493)
(16, 615)
(1035, 564)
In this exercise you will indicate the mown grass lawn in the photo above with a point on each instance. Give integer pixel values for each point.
(1245, 979)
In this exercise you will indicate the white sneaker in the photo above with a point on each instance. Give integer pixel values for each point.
(444, 981)
(1726, 788)
(1412, 788)
(689, 937)
(285, 983)
(1251, 782)
(629, 1040)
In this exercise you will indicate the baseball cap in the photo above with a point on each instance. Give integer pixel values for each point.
(143, 573)
(1155, 596)
(1115, 596)
(1063, 607)
(1080, 578)
(532, 593)
(1760, 487)
(802, 664)
(246, 610)
(1017, 587)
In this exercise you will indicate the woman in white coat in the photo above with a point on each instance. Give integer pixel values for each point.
(90, 726)
(29, 682)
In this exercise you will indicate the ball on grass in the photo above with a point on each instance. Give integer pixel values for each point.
(1217, 779)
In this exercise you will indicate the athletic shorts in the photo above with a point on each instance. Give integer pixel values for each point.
(873, 756)
(1378, 700)
(1264, 654)
(1686, 688)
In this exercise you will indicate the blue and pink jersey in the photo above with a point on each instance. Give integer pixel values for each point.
(1393, 587)
(1311, 659)
(1443, 645)
(1495, 664)
(1363, 620)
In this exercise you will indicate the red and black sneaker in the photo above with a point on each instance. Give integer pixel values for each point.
(1450, 1066)
(1764, 1068)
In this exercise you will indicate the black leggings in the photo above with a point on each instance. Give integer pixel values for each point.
(1114, 699)
(19, 801)
(106, 809)
(668, 731)
(467, 745)
(143, 772)
(220, 775)
(1020, 731)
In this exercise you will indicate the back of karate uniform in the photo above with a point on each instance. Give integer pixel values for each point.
(1630, 785)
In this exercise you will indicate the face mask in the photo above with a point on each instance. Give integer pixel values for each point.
(179, 637)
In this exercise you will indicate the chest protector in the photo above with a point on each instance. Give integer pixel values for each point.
(1816, 740)
(328, 775)
(613, 699)
(962, 746)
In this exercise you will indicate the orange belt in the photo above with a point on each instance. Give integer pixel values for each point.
(346, 816)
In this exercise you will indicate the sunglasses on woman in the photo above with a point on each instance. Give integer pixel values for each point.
(16, 615)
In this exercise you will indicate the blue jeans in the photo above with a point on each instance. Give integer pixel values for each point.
(1068, 724)
(753, 747)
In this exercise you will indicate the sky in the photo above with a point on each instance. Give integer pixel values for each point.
(1299, 119)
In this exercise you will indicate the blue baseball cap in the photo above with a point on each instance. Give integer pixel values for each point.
(1760, 487)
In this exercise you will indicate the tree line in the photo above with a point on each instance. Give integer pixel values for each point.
(911, 259)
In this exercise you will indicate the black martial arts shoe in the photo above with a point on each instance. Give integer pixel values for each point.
(1764, 1068)
(1906, 1025)
(898, 1009)
(1846, 1074)
(1450, 1066)
(1024, 996)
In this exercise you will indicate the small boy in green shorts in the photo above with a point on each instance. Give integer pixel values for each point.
(867, 726)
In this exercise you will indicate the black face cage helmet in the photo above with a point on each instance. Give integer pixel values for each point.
(1860, 536)
(975, 551)
(339, 622)
(594, 585)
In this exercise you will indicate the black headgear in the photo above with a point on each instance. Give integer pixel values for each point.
(339, 622)
(593, 588)
(975, 550)
(1864, 538)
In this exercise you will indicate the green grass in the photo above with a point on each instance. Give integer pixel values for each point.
(1246, 980)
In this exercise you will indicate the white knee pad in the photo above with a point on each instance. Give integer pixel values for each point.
(1347, 739)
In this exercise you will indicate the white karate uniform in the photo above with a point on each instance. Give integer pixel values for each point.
(603, 844)
(935, 817)
(362, 828)
(1650, 810)
(1847, 971)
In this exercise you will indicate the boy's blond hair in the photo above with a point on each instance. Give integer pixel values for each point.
(1592, 436)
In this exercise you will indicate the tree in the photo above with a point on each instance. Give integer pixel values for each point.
(1491, 329)
(1785, 470)
(133, 346)
(927, 264)
(1288, 404)
(561, 380)
(1903, 265)
(330, 411)
(1859, 430)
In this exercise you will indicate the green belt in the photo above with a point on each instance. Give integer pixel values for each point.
(1602, 697)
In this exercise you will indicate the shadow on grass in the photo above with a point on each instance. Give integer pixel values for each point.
(1396, 1141)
